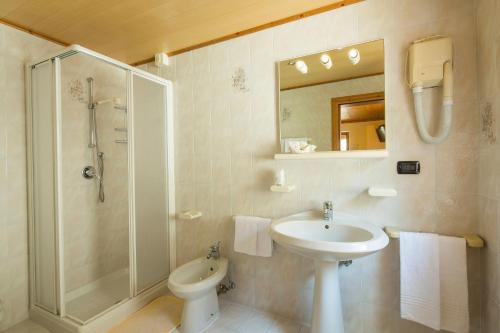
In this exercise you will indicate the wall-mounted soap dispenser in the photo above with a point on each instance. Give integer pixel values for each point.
(430, 64)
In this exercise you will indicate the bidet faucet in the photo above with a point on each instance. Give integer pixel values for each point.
(214, 251)
(327, 211)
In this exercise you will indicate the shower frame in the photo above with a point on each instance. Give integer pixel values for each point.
(57, 319)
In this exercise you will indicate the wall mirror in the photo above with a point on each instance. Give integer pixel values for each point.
(333, 100)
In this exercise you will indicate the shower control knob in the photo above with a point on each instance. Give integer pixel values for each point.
(88, 172)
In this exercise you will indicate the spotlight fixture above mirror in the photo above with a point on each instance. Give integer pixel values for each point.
(326, 61)
(354, 56)
(300, 65)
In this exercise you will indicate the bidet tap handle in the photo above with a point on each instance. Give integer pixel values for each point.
(214, 251)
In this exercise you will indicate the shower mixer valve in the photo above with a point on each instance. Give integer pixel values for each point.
(88, 172)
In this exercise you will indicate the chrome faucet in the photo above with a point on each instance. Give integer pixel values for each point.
(214, 251)
(327, 211)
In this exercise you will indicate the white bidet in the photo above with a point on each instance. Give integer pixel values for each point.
(196, 282)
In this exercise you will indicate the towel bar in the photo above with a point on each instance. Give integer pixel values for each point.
(473, 240)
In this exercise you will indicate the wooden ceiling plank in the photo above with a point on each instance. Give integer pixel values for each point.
(138, 28)
(34, 11)
(7, 6)
(180, 34)
(73, 15)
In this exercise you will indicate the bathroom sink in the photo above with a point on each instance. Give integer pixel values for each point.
(345, 238)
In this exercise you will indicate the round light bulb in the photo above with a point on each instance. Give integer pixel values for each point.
(301, 66)
(354, 56)
(326, 61)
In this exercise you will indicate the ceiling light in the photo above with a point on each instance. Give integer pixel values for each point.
(326, 61)
(354, 56)
(301, 66)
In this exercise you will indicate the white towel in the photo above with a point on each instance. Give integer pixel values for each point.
(264, 241)
(420, 288)
(454, 287)
(245, 235)
(252, 236)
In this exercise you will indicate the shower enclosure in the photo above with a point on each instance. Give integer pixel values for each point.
(100, 186)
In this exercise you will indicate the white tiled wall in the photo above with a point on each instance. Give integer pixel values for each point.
(16, 48)
(226, 137)
(488, 70)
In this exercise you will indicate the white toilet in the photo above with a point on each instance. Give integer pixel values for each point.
(196, 282)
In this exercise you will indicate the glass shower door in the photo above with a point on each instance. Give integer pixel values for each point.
(42, 182)
(150, 178)
(94, 182)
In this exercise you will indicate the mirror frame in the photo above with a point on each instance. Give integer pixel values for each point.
(373, 153)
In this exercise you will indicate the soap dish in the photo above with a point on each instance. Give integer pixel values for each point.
(382, 192)
(282, 188)
(190, 215)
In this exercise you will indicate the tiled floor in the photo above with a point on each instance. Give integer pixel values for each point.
(234, 318)
(27, 326)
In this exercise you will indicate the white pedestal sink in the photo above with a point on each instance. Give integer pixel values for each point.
(327, 243)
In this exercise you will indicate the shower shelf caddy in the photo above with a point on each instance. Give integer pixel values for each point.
(472, 240)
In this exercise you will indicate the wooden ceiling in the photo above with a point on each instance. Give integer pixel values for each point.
(134, 30)
(371, 63)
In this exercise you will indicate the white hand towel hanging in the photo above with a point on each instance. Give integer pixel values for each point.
(264, 240)
(245, 235)
(434, 288)
(252, 236)
(454, 286)
(420, 288)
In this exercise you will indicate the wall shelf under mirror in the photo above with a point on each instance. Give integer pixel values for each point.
(378, 153)
(332, 104)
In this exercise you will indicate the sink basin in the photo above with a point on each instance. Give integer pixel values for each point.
(346, 238)
(328, 242)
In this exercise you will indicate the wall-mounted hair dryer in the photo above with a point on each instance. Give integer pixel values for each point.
(430, 64)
